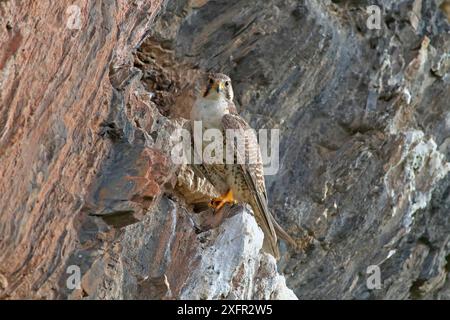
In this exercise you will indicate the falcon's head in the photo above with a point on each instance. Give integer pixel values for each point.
(218, 86)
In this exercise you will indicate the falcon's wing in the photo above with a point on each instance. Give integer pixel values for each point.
(253, 175)
(253, 170)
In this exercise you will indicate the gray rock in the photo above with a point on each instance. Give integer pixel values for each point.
(364, 144)
(363, 180)
(364, 133)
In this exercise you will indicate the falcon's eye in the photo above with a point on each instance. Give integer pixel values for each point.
(227, 83)
(211, 81)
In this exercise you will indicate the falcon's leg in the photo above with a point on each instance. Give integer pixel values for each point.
(218, 203)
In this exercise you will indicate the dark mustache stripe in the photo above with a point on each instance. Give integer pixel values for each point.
(207, 90)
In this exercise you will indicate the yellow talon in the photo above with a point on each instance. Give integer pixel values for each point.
(219, 202)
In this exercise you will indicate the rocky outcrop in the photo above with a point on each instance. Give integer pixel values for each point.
(164, 257)
(55, 100)
(87, 114)
(86, 152)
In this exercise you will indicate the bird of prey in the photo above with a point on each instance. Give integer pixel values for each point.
(241, 181)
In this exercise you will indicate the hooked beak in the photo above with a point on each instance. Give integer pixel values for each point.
(220, 87)
(216, 86)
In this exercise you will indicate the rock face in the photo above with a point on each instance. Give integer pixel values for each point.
(55, 99)
(89, 100)
(162, 257)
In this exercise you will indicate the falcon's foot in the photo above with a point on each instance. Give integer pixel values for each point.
(218, 203)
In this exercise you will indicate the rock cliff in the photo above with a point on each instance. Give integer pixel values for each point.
(91, 93)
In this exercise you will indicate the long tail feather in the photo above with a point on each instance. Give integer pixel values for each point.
(261, 213)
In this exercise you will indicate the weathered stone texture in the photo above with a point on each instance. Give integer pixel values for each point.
(86, 177)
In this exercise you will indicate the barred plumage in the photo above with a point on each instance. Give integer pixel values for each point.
(216, 109)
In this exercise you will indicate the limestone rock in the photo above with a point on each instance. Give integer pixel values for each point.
(231, 265)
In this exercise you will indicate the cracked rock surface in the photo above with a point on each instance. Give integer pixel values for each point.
(86, 177)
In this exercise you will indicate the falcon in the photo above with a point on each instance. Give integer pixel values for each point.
(239, 181)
